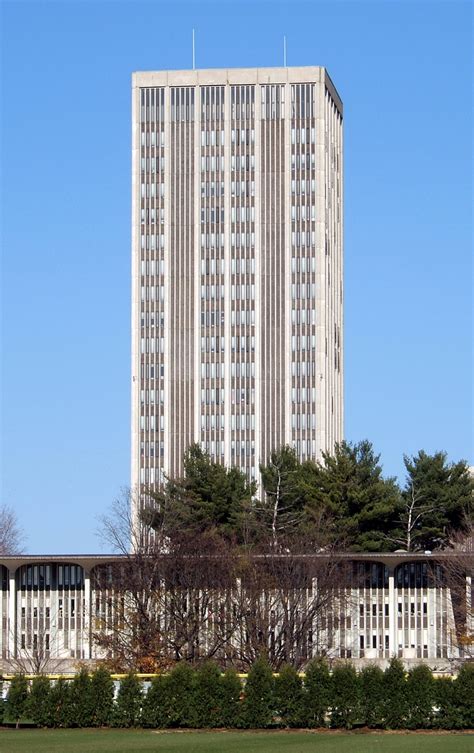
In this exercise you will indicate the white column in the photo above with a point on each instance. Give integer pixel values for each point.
(469, 607)
(392, 613)
(87, 618)
(11, 630)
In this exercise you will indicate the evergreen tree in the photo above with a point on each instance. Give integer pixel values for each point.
(316, 699)
(102, 697)
(59, 702)
(156, 703)
(372, 690)
(17, 698)
(80, 700)
(231, 690)
(447, 715)
(395, 695)
(464, 696)
(127, 710)
(349, 485)
(208, 696)
(208, 496)
(289, 697)
(258, 705)
(182, 696)
(420, 697)
(39, 702)
(345, 696)
(436, 500)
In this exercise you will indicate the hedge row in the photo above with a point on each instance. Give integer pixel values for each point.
(204, 697)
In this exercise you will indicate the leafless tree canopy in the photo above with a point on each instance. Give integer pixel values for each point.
(195, 596)
(11, 535)
(458, 565)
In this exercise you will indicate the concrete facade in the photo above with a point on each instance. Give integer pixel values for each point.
(237, 266)
(395, 605)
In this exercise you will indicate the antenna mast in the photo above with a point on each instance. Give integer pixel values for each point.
(284, 51)
(194, 53)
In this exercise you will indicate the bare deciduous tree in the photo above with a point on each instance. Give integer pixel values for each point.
(285, 605)
(410, 521)
(458, 570)
(11, 534)
(37, 655)
(195, 595)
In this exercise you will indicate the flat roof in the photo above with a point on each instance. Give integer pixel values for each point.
(242, 76)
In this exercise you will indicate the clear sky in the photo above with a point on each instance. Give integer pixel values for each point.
(403, 70)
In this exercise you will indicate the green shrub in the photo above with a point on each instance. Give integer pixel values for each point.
(371, 696)
(345, 696)
(39, 704)
(231, 691)
(258, 705)
(59, 700)
(156, 703)
(289, 697)
(420, 697)
(208, 696)
(446, 714)
(181, 696)
(17, 698)
(80, 700)
(102, 698)
(316, 697)
(395, 695)
(464, 696)
(127, 710)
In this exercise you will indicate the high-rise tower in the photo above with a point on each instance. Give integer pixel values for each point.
(237, 266)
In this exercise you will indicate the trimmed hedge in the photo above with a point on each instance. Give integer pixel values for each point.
(203, 697)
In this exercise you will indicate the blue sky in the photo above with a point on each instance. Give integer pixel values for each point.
(403, 70)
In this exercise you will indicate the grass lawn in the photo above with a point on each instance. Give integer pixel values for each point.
(146, 741)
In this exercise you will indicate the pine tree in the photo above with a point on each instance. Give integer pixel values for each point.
(349, 485)
(39, 703)
(395, 695)
(259, 701)
(372, 705)
(127, 710)
(345, 696)
(317, 691)
(289, 697)
(17, 698)
(102, 698)
(208, 496)
(436, 500)
(420, 697)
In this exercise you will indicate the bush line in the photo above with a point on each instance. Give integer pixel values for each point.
(204, 697)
